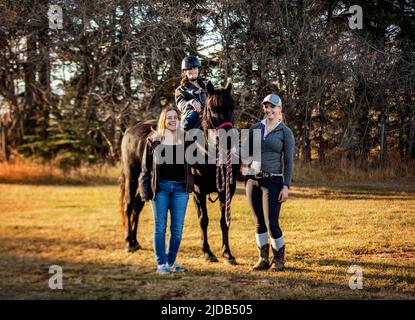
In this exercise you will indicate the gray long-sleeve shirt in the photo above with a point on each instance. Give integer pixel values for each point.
(277, 150)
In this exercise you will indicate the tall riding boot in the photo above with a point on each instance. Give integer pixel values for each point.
(278, 260)
(263, 263)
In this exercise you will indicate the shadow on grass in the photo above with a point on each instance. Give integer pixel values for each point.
(38, 245)
(349, 192)
(28, 278)
(369, 265)
(23, 276)
(378, 270)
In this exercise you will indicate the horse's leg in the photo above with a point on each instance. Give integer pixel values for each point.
(200, 203)
(226, 251)
(139, 204)
(131, 185)
(125, 204)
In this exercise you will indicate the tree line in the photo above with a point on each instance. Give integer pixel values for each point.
(67, 95)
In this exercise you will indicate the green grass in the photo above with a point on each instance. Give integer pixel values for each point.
(327, 229)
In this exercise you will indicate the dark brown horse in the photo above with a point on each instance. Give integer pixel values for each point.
(218, 113)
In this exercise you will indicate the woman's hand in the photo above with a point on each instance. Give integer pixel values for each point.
(197, 106)
(283, 195)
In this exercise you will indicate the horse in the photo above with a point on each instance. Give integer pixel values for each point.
(218, 113)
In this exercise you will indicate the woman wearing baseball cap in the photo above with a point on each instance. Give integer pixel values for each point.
(268, 188)
(190, 95)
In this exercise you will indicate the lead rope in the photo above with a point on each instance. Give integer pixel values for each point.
(223, 182)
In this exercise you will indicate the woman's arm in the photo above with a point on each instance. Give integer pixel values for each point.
(144, 179)
(289, 144)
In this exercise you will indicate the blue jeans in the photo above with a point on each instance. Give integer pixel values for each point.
(172, 196)
(189, 119)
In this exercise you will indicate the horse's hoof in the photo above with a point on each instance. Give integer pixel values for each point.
(129, 249)
(231, 261)
(137, 246)
(133, 247)
(211, 258)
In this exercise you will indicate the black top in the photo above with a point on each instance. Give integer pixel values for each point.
(172, 171)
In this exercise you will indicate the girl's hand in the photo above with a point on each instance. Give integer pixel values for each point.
(197, 106)
(283, 195)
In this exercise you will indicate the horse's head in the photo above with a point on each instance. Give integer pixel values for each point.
(219, 108)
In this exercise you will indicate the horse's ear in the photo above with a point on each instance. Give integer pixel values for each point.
(210, 88)
(228, 87)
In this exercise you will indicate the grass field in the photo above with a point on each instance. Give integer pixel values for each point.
(327, 229)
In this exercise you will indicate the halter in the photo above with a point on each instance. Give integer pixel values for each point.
(210, 123)
(225, 124)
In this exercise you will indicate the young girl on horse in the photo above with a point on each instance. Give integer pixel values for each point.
(190, 96)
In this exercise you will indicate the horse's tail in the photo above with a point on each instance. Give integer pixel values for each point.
(121, 182)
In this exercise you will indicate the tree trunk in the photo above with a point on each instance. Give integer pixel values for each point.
(321, 142)
(126, 52)
(4, 142)
(306, 147)
(410, 152)
(44, 79)
(30, 85)
(411, 144)
(383, 110)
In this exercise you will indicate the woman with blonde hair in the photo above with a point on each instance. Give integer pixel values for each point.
(166, 179)
(267, 189)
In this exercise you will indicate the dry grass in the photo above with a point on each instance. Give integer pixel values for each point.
(343, 171)
(21, 171)
(327, 228)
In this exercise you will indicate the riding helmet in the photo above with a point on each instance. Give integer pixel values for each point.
(190, 62)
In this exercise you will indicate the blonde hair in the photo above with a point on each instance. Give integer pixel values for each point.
(159, 133)
(281, 115)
